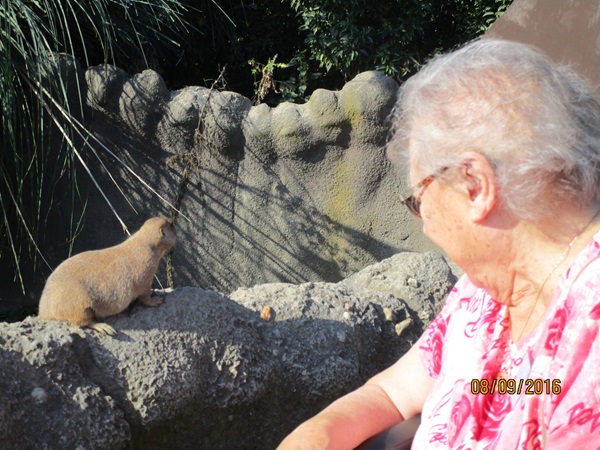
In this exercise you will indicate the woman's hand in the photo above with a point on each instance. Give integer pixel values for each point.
(371, 409)
(311, 435)
(347, 422)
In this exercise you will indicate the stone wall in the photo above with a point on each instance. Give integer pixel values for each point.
(294, 193)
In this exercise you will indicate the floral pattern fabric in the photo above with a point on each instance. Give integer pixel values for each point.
(468, 351)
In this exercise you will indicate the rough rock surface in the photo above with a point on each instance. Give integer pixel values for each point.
(293, 193)
(210, 371)
(424, 295)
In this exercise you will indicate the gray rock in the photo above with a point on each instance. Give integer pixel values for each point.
(105, 85)
(205, 370)
(142, 102)
(223, 123)
(186, 107)
(47, 400)
(421, 280)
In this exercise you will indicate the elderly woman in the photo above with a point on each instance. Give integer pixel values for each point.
(504, 156)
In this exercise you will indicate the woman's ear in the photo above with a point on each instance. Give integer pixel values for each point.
(481, 185)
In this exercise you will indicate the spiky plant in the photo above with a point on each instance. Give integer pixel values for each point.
(40, 104)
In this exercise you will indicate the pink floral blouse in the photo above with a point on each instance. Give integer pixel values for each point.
(491, 393)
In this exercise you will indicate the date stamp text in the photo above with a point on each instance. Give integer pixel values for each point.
(527, 386)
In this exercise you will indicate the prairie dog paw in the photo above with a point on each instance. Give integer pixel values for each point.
(103, 328)
(153, 301)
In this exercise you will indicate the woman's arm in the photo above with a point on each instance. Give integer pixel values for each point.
(383, 401)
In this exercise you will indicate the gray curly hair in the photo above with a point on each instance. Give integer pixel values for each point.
(538, 124)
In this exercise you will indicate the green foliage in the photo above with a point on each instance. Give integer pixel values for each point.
(351, 35)
(267, 88)
(255, 30)
(324, 43)
(264, 83)
(41, 108)
(394, 36)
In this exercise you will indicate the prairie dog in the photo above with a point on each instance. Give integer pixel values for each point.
(100, 283)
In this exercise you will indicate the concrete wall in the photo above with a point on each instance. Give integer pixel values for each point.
(294, 193)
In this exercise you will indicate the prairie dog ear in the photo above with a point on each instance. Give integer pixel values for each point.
(162, 231)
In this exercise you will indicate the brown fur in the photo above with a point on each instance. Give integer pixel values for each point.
(101, 283)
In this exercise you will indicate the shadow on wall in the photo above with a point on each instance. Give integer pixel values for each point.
(243, 221)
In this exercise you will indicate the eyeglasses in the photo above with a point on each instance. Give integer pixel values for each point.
(412, 202)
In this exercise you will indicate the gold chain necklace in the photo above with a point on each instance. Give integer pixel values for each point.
(556, 266)
(503, 373)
